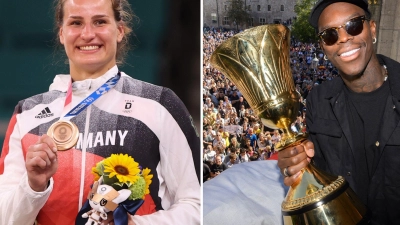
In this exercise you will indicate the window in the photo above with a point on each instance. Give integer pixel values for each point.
(258, 7)
(282, 8)
(226, 20)
(251, 22)
(248, 7)
(226, 7)
(214, 17)
(262, 21)
(269, 7)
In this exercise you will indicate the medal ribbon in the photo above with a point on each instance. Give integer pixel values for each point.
(91, 98)
(78, 109)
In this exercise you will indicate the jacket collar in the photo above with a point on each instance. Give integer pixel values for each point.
(393, 69)
(61, 82)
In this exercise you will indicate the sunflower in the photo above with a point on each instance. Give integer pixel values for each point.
(147, 177)
(123, 167)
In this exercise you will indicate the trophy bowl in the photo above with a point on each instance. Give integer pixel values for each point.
(257, 61)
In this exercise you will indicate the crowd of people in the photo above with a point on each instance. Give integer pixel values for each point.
(232, 132)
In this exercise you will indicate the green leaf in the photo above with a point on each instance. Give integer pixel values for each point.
(108, 180)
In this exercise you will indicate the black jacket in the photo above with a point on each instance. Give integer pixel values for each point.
(328, 126)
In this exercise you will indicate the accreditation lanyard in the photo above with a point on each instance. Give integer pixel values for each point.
(109, 84)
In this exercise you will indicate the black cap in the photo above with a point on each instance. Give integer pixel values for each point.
(322, 4)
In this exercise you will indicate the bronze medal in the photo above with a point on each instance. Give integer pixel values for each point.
(64, 133)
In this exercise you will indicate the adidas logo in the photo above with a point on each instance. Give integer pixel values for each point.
(44, 113)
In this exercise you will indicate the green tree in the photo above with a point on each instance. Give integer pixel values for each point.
(237, 12)
(301, 28)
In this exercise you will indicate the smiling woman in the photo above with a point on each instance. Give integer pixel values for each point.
(90, 39)
(99, 111)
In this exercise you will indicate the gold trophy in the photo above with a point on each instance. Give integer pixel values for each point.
(257, 61)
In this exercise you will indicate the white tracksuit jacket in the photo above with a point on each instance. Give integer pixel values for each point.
(148, 122)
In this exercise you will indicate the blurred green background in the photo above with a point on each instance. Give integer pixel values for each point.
(165, 51)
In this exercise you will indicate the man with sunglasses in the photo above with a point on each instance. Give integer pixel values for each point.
(353, 121)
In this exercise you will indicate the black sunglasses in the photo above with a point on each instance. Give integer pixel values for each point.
(353, 27)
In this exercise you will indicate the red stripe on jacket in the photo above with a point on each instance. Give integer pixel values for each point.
(6, 147)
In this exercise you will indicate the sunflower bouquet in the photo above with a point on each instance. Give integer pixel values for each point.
(120, 187)
(122, 172)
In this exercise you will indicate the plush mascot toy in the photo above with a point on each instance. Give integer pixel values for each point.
(103, 199)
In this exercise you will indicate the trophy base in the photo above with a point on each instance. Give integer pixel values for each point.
(340, 210)
(320, 198)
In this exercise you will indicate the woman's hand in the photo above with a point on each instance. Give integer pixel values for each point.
(41, 163)
(292, 160)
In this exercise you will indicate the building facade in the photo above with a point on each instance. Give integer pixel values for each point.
(386, 14)
(261, 12)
